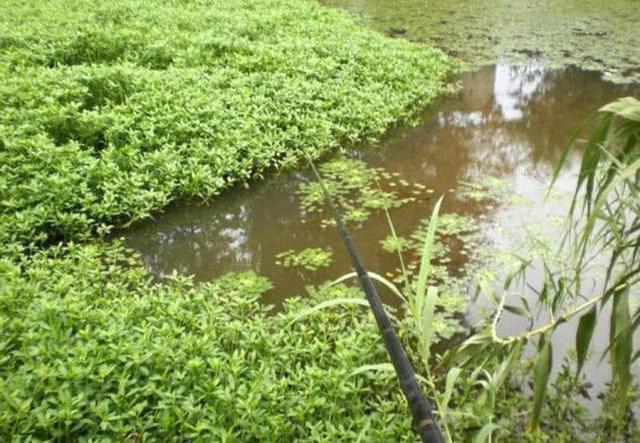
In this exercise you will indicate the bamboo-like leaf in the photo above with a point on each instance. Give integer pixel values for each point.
(507, 363)
(516, 310)
(583, 336)
(621, 340)
(425, 262)
(342, 301)
(625, 107)
(626, 173)
(541, 373)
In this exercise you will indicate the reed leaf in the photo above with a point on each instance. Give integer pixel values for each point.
(541, 372)
(586, 325)
(425, 261)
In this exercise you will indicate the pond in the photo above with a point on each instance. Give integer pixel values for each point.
(508, 122)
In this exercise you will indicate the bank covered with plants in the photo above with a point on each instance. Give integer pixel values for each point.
(110, 112)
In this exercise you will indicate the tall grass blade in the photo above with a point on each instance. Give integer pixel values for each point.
(329, 304)
(425, 261)
(393, 288)
(541, 373)
(426, 322)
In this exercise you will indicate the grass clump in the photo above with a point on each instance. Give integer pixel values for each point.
(91, 348)
(112, 111)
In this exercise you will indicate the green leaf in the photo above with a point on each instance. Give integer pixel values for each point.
(516, 310)
(384, 367)
(621, 340)
(328, 304)
(426, 321)
(583, 336)
(625, 107)
(452, 377)
(541, 373)
(393, 288)
(425, 262)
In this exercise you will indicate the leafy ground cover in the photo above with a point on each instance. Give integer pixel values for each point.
(109, 112)
(91, 348)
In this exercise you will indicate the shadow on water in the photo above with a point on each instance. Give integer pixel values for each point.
(506, 121)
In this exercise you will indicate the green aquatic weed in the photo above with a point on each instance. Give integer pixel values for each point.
(358, 190)
(310, 259)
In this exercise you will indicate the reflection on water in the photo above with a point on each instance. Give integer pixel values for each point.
(506, 121)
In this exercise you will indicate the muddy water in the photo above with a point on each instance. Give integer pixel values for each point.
(509, 122)
(506, 121)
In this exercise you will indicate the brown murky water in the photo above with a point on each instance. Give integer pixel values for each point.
(507, 121)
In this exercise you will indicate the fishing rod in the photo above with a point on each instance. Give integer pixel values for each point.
(420, 407)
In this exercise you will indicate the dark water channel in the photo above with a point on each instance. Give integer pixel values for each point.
(507, 121)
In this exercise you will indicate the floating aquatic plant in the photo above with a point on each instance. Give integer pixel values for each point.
(358, 189)
(310, 259)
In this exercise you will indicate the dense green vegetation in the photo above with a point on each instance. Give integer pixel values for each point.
(91, 348)
(110, 112)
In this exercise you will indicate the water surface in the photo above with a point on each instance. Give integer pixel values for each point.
(507, 121)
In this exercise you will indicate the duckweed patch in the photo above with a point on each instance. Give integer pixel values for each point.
(310, 259)
(358, 190)
(588, 34)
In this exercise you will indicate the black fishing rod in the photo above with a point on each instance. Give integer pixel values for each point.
(423, 419)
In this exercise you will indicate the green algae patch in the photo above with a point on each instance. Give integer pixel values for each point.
(110, 112)
(591, 34)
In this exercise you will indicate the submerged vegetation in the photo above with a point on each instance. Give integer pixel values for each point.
(588, 34)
